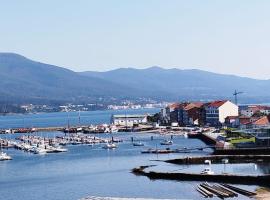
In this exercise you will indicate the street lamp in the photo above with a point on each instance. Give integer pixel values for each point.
(225, 161)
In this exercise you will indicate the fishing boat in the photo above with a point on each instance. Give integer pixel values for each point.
(4, 156)
(167, 142)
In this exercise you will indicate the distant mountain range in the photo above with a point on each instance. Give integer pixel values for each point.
(187, 84)
(24, 80)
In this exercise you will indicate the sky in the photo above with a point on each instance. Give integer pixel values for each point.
(224, 36)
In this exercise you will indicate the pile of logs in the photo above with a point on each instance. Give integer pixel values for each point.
(222, 191)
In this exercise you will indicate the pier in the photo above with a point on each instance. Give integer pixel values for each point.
(261, 180)
(207, 137)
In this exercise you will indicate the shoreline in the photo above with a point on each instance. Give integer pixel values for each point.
(263, 193)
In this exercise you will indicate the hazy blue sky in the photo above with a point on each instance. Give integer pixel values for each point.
(229, 36)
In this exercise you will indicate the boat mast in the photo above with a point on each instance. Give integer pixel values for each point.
(79, 118)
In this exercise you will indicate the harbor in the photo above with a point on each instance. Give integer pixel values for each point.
(87, 163)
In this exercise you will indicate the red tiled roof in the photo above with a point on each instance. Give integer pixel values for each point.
(174, 105)
(258, 107)
(189, 106)
(217, 104)
(262, 121)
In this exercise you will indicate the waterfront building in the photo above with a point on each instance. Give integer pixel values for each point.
(128, 120)
(198, 113)
(250, 110)
(258, 122)
(170, 113)
(217, 111)
(193, 114)
(232, 121)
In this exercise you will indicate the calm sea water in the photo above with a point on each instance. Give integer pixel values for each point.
(86, 170)
(61, 118)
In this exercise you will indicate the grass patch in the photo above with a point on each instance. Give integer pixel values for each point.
(241, 140)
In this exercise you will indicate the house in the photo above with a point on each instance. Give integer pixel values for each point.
(243, 121)
(170, 113)
(217, 111)
(128, 120)
(258, 122)
(193, 113)
(232, 121)
(250, 110)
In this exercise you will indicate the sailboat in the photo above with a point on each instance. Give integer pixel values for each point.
(79, 129)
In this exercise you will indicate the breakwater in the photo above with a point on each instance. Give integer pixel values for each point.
(217, 159)
(261, 180)
(242, 151)
(203, 137)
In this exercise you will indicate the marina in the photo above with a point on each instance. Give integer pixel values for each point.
(84, 163)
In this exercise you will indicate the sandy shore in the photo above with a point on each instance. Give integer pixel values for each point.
(116, 198)
(263, 194)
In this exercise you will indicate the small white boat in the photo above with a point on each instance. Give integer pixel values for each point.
(109, 146)
(39, 151)
(138, 144)
(113, 129)
(59, 149)
(4, 156)
(167, 142)
(207, 171)
(79, 129)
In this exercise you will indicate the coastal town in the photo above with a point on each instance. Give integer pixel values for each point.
(134, 100)
(230, 134)
(233, 125)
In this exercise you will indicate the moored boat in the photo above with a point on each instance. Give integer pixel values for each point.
(167, 142)
(4, 156)
(138, 144)
(109, 146)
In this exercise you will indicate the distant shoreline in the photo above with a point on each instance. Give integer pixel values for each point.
(83, 111)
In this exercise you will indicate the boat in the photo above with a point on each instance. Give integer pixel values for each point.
(138, 144)
(109, 146)
(60, 149)
(55, 149)
(39, 151)
(207, 171)
(167, 142)
(4, 156)
(157, 151)
(113, 129)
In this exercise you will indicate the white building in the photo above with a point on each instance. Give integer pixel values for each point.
(128, 120)
(217, 111)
